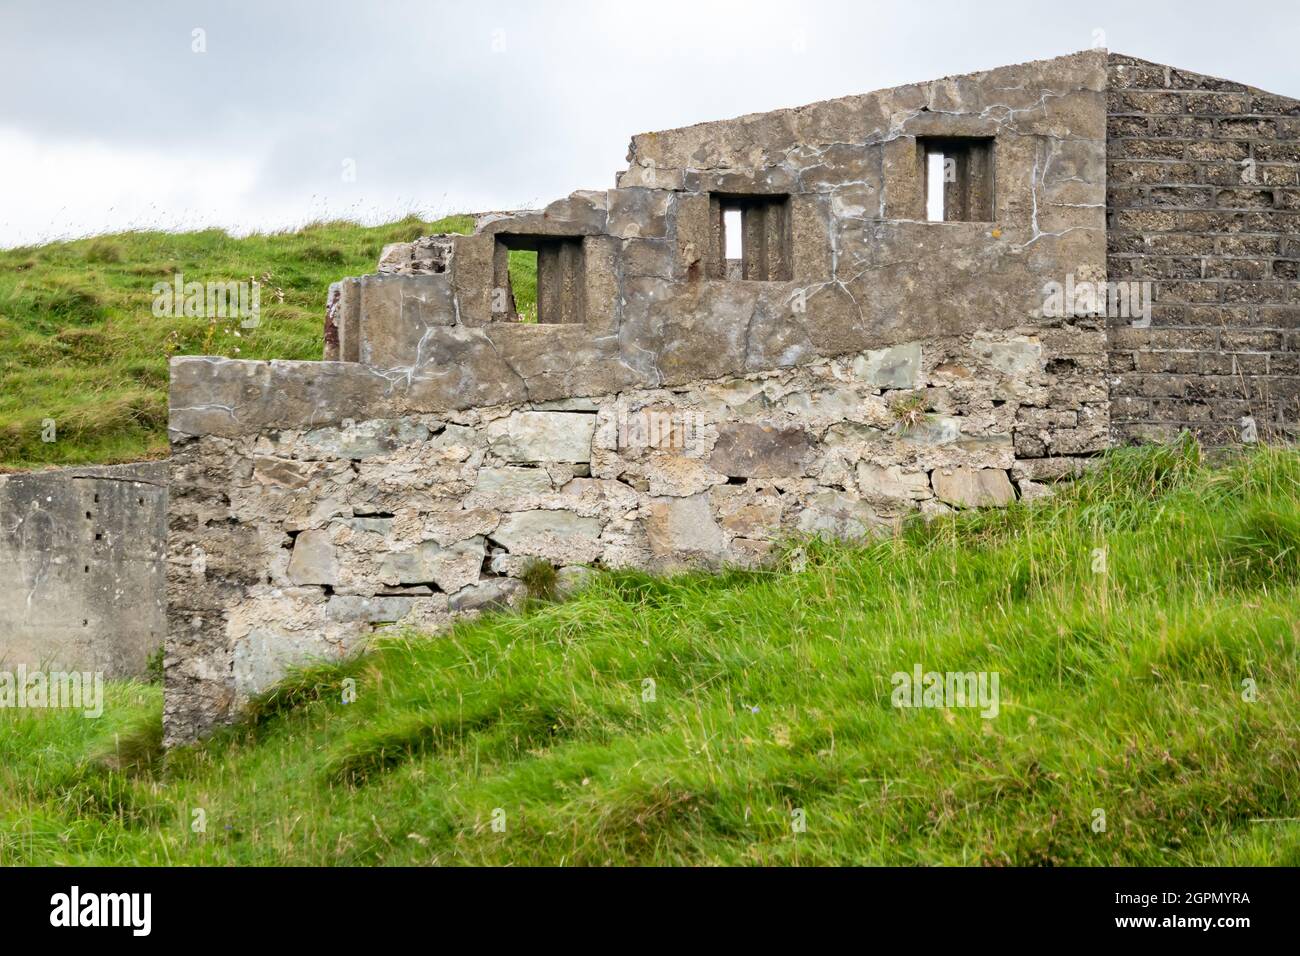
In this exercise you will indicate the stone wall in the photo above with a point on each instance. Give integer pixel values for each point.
(867, 270)
(82, 553)
(884, 365)
(1204, 202)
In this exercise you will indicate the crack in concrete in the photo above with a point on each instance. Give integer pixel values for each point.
(523, 381)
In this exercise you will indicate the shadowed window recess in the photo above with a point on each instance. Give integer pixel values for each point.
(539, 279)
(751, 237)
(958, 173)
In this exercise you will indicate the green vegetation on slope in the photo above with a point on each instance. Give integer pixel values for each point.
(523, 283)
(1122, 617)
(80, 345)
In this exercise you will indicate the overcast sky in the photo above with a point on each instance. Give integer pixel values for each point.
(121, 115)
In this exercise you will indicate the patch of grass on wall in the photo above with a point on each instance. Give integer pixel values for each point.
(523, 283)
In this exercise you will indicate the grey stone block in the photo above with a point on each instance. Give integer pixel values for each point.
(895, 367)
(370, 610)
(450, 568)
(760, 451)
(314, 560)
(543, 436)
(973, 488)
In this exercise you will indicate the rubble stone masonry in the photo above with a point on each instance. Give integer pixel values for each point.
(673, 407)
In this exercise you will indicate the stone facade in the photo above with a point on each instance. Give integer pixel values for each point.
(675, 405)
(1204, 202)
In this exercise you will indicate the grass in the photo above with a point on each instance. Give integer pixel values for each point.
(523, 283)
(685, 720)
(80, 345)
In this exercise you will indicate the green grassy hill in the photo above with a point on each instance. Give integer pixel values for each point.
(79, 343)
(1143, 624)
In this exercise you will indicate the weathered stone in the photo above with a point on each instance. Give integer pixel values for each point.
(598, 496)
(428, 255)
(684, 528)
(892, 482)
(750, 552)
(314, 560)
(285, 474)
(636, 213)
(370, 610)
(1051, 469)
(361, 439)
(895, 367)
(560, 536)
(263, 656)
(857, 437)
(648, 175)
(490, 594)
(1034, 490)
(654, 428)
(397, 312)
(650, 257)
(451, 527)
(755, 520)
(673, 475)
(837, 515)
(584, 211)
(972, 488)
(932, 430)
(507, 483)
(573, 578)
(452, 443)
(710, 339)
(854, 200)
(543, 436)
(842, 403)
(512, 565)
(744, 395)
(841, 163)
(576, 404)
(379, 526)
(1019, 356)
(760, 451)
(450, 568)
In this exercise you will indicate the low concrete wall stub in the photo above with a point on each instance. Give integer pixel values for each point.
(83, 554)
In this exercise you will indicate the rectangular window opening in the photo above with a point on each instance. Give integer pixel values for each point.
(958, 173)
(539, 280)
(751, 237)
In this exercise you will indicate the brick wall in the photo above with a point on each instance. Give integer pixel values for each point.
(1203, 200)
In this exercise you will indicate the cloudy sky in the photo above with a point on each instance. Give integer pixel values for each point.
(257, 114)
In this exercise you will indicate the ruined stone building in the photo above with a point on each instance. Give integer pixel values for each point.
(810, 321)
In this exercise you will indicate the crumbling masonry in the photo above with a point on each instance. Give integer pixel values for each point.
(879, 346)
